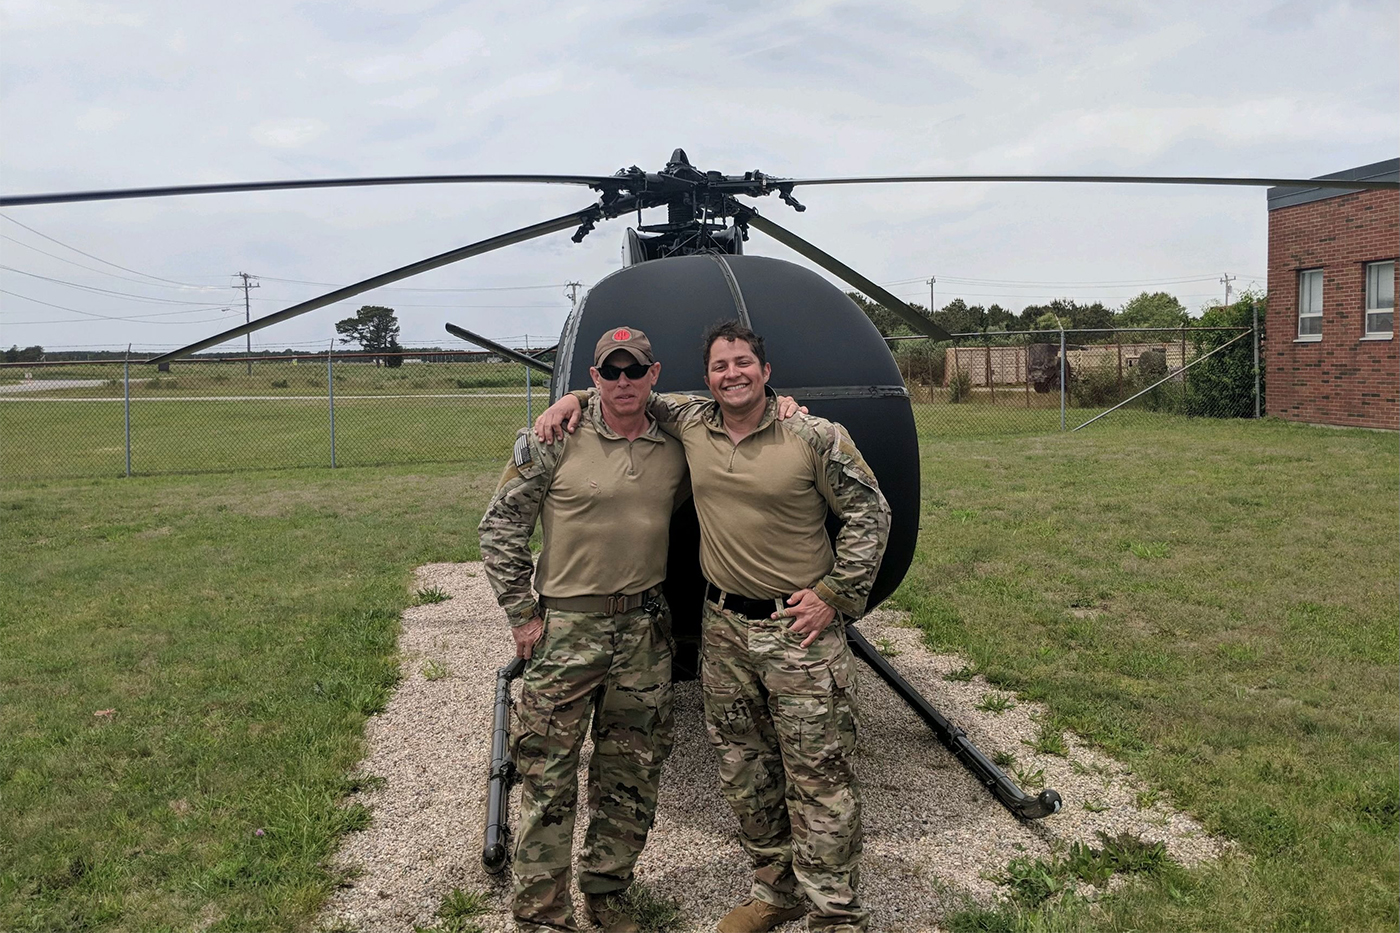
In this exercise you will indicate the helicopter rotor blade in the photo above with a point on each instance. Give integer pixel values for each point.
(588, 214)
(836, 267)
(500, 349)
(115, 194)
(1349, 183)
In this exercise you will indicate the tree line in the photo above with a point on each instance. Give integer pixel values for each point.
(1155, 309)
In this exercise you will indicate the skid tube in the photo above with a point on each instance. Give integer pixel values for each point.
(495, 850)
(992, 777)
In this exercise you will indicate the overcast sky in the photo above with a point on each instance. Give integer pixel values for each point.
(135, 93)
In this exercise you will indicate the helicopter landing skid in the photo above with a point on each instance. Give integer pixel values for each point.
(987, 773)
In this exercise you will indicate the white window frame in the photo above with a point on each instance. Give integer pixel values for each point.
(1376, 272)
(1307, 312)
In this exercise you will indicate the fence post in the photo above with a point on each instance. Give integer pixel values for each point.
(1026, 366)
(126, 391)
(991, 384)
(1062, 376)
(330, 394)
(529, 383)
(1256, 359)
(1118, 339)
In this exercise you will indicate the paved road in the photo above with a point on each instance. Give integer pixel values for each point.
(44, 385)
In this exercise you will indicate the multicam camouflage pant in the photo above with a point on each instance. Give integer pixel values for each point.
(783, 720)
(616, 669)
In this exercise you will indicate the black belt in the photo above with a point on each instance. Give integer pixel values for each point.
(607, 605)
(743, 605)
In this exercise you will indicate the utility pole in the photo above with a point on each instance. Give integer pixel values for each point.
(249, 281)
(1226, 279)
(573, 288)
(931, 279)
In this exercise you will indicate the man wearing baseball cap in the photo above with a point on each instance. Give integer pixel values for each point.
(598, 636)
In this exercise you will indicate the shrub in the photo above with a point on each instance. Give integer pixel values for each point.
(1223, 386)
(501, 379)
(279, 383)
(921, 361)
(959, 387)
(1152, 365)
(1096, 386)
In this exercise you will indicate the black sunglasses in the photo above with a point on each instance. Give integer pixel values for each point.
(635, 371)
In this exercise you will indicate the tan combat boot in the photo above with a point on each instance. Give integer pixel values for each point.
(605, 910)
(755, 916)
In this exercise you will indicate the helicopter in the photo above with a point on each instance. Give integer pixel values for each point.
(679, 276)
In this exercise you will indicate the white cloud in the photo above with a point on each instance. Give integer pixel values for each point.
(797, 88)
(411, 99)
(291, 133)
(63, 14)
(99, 119)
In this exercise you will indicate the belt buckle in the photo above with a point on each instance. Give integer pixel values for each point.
(612, 606)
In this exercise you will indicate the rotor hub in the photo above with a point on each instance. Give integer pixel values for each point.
(699, 206)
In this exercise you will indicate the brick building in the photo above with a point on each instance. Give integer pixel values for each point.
(1330, 352)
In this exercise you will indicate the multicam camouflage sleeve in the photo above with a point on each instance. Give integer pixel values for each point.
(675, 407)
(509, 521)
(855, 497)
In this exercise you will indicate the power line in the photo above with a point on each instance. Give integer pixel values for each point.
(91, 256)
(408, 304)
(83, 320)
(103, 291)
(80, 265)
(108, 317)
(407, 288)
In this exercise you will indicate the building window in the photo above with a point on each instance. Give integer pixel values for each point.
(1380, 298)
(1310, 304)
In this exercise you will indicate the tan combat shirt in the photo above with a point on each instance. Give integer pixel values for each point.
(604, 504)
(763, 502)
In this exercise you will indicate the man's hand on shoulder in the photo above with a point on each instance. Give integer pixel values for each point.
(810, 614)
(787, 407)
(562, 416)
(527, 636)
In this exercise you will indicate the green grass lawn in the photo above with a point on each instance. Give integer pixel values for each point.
(49, 439)
(1213, 602)
(278, 378)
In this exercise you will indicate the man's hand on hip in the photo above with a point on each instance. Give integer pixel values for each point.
(810, 614)
(527, 636)
(562, 416)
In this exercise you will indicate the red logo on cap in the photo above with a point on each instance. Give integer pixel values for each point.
(622, 335)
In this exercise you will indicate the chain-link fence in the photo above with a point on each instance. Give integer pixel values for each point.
(337, 409)
(343, 409)
(1043, 381)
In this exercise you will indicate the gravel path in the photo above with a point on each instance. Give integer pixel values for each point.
(933, 836)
